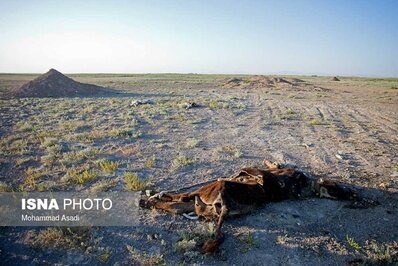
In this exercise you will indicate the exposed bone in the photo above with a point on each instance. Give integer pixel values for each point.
(190, 216)
(323, 193)
(158, 195)
(148, 192)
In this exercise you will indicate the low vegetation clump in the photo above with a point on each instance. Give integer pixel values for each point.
(352, 243)
(249, 242)
(47, 237)
(48, 142)
(48, 160)
(25, 127)
(290, 111)
(78, 237)
(134, 182)
(123, 132)
(108, 166)
(380, 253)
(192, 143)
(78, 156)
(83, 177)
(181, 161)
(186, 245)
(150, 162)
(4, 187)
(189, 241)
(213, 104)
(104, 257)
(315, 122)
(32, 177)
(103, 185)
(142, 258)
(232, 150)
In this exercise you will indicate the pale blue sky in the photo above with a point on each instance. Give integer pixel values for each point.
(258, 37)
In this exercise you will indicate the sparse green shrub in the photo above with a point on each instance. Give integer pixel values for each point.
(150, 162)
(142, 258)
(181, 161)
(48, 160)
(315, 122)
(238, 153)
(352, 243)
(290, 111)
(65, 237)
(75, 157)
(48, 142)
(382, 253)
(213, 104)
(192, 143)
(134, 183)
(54, 149)
(19, 146)
(83, 177)
(122, 132)
(104, 257)
(25, 126)
(189, 241)
(249, 241)
(4, 187)
(186, 245)
(108, 166)
(32, 176)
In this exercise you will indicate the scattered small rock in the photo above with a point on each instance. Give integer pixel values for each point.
(189, 105)
(135, 103)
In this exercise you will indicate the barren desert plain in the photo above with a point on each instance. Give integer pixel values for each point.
(346, 130)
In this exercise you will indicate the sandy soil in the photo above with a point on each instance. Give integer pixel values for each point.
(344, 130)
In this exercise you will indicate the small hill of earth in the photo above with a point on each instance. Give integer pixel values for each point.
(54, 84)
(259, 82)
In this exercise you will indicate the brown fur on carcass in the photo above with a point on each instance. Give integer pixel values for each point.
(243, 192)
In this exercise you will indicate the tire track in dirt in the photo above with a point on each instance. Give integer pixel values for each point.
(374, 118)
(371, 148)
(294, 135)
(342, 142)
(318, 135)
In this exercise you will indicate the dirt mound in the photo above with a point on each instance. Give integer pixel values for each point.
(253, 82)
(55, 84)
(297, 80)
(335, 79)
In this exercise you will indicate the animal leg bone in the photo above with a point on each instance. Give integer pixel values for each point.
(191, 216)
(323, 193)
(157, 195)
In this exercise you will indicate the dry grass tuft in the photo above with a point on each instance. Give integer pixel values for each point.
(134, 183)
(81, 178)
(108, 166)
(181, 161)
(63, 237)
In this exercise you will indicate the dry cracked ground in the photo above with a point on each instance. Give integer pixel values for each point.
(346, 130)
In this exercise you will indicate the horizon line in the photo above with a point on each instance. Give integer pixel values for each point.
(198, 73)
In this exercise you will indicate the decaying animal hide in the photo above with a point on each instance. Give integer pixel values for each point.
(243, 192)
